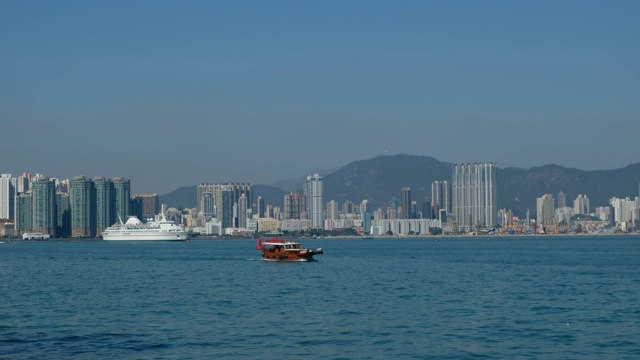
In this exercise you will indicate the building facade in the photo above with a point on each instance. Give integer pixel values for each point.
(7, 197)
(545, 213)
(474, 195)
(313, 193)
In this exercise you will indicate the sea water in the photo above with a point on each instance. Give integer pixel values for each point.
(444, 298)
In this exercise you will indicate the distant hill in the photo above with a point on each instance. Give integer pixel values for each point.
(380, 178)
(297, 182)
(185, 197)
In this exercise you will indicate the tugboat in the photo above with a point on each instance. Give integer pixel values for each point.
(285, 250)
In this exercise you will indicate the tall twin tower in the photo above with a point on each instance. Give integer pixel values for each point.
(474, 194)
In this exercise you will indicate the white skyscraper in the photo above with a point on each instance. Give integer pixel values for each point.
(313, 193)
(545, 211)
(6, 197)
(440, 195)
(474, 194)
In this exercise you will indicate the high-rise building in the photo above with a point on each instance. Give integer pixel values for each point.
(562, 200)
(406, 203)
(427, 211)
(150, 205)
(206, 201)
(261, 207)
(294, 205)
(122, 195)
(24, 212)
(43, 191)
(105, 204)
(64, 215)
(333, 212)
(82, 202)
(347, 207)
(474, 200)
(365, 206)
(23, 183)
(441, 195)
(313, 194)
(7, 195)
(224, 204)
(242, 211)
(624, 210)
(393, 203)
(545, 215)
(581, 205)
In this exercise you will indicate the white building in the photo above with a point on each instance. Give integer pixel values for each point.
(313, 193)
(7, 193)
(474, 195)
(545, 207)
(624, 210)
(581, 205)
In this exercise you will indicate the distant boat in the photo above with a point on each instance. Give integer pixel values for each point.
(136, 230)
(285, 250)
(367, 236)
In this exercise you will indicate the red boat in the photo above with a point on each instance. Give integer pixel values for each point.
(285, 250)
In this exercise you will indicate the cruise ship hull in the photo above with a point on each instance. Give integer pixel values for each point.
(130, 236)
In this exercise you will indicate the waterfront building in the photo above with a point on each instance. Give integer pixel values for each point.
(294, 205)
(105, 204)
(23, 212)
(404, 226)
(441, 195)
(405, 203)
(545, 206)
(63, 229)
(242, 212)
(296, 225)
(83, 207)
(43, 191)
(7, 197)
(148, 205)
(267, 225)
(122, 193)
(474, 195)
(313, 194)
(625, 211)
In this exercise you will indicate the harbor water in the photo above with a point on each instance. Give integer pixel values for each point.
(444, 298)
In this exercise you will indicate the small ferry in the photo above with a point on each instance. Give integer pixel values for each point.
(285, 250)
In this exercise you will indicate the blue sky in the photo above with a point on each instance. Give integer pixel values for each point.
(171, 93)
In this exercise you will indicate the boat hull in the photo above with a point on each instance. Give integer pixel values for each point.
(182, 236)
(301, 256)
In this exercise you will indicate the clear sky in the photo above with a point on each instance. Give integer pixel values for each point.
(174, 93)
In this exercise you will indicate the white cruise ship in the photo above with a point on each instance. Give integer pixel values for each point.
(136, 230)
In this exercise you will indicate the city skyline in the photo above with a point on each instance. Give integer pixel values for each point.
(229, 92)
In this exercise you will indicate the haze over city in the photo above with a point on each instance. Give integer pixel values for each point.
(170, 94)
